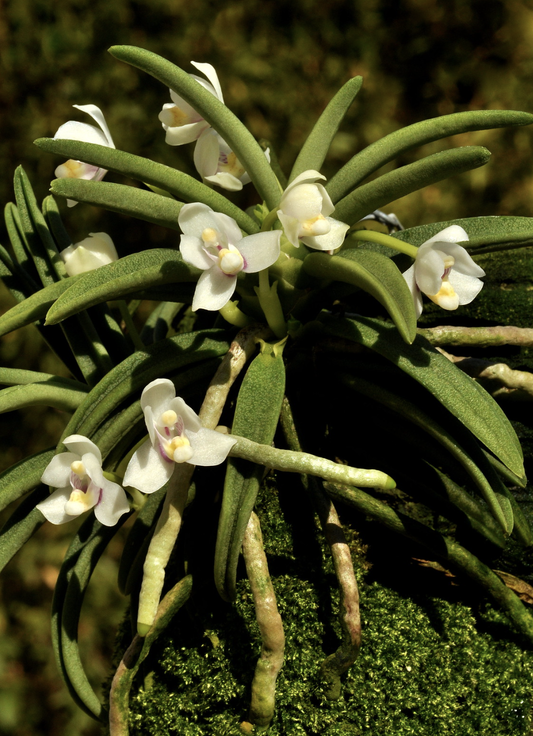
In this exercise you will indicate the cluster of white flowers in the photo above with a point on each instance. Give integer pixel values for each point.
(175, 435)
(213, 242)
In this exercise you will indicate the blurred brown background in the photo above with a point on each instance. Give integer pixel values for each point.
(279, 64)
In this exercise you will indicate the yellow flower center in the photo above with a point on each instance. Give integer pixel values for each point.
(446, 297)
(315, 226)
(71, 169)
(174, 117)
(231, 166)
(169, 418)
(230, 261)
(179, 449)
(78, 467)
(78, 502)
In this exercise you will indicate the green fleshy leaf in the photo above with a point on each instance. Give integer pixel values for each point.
(393, 145)
(18, 243)
(375, 274)
(407, 179)
(74, 576)
(460, 394)
(21, 525)
(485, 234)
(128, 275)
(40, 243)
(236, 135)
(34, 307)
(316, 147)
(134, 373)
(46, 393)
(55, 223)
(13, 278)
(421, 419)
(256, 417)
(181, 185)
(121, 198)
(19, 376)
(22, 477)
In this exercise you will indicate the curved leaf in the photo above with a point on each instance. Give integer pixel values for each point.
(128, 275)
(421, 419)
(134, 373)
(236, 135)
(459, 393)
(34, 307)
(375, 274)
(21, 525)
(23, 477)
(484, 233)
(388, 148)
(256, 417)
(121, 198)
(315, 148)
(149, 172)
(46, 393)
(407, 179)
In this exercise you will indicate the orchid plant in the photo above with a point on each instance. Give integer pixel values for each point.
(286, 348)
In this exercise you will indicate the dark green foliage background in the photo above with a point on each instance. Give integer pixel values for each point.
(279, 64)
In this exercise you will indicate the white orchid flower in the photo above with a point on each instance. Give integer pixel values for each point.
(304, 212)
(181, 123)
(95, 251)
(175, 436)
(75, 131)
(214, 243)
(216, 163)
(81, 485)
(444, 271)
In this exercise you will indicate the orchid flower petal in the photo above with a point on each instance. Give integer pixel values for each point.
(209, 447)
(113, 504)
(209, 71)
(81, 445)
(444, 271)
(213, 290)
(53, 507)
(147, 470)
(330, 241)
(57, 472)
(157, 395)
(260, 250)
(226, 181)
(193, 252)
(92, 252)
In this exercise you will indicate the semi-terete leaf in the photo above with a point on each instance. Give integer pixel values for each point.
(128, 275)
(484, 233)
(121, 198)
(23, 477)
(256, 418)
(315, 148)
(400, 182)
(391, 146)
(459, 393)
(236, 135)
(373, 273)
(134, 373)
(45, 393)
(181, 185)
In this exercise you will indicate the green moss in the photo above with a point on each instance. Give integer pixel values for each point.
(427, 665)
